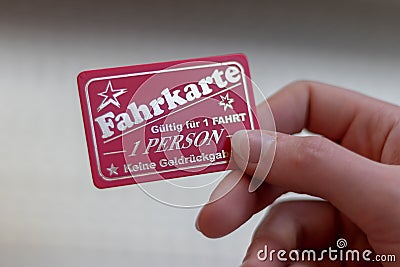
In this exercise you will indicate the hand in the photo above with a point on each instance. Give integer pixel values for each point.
(352, 166)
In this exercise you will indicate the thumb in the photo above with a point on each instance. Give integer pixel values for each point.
(313, 165)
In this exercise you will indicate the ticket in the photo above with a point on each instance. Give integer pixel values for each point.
(164, 120)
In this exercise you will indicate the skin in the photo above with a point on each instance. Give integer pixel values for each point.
(353, 165)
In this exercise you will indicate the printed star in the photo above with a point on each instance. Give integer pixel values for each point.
(110, 96)
(226, 102)
(112, 169)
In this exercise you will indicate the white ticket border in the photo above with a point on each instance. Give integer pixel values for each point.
(244, 77)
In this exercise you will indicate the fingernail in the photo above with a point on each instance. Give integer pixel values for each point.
(240, 144)
(255, 141)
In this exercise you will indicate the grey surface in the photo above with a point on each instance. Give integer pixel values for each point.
(50, 213)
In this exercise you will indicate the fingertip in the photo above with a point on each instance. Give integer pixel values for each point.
(229, 207)
(205, 224)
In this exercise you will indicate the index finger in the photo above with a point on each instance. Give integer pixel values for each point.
(358, 122)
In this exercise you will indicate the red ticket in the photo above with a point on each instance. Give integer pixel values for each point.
(164, 120)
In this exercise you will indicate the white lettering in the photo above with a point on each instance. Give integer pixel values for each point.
(105, 124)
(172, 99)
(135, 110)
(232, 74)
(193, 93)
(124, 121)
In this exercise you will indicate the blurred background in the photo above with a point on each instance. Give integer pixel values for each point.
(50, 213)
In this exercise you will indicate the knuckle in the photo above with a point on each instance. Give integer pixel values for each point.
(310, 150)
(279, 226)
(278, 207)
(299, 85)
(282, 209)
